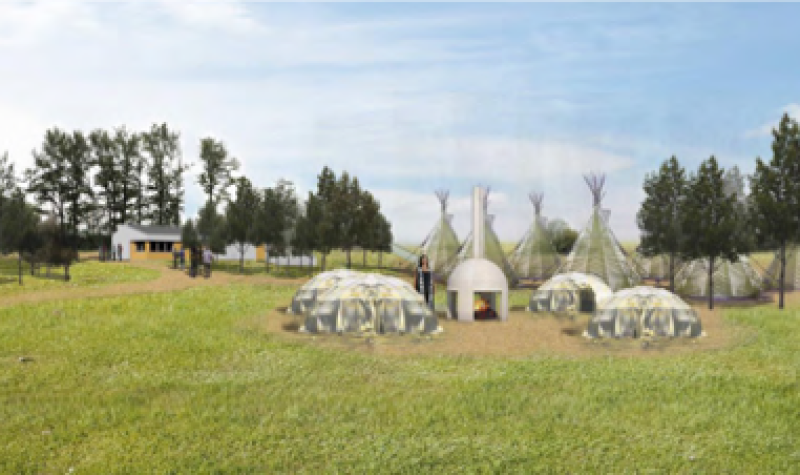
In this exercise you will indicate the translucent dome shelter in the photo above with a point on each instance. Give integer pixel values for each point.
(371, 303)
(656, 267)
(306, 295)
(772, 275)
(644, 311)
(569, 292)
(732, 280)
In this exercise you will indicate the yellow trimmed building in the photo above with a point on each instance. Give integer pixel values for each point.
(150, 242)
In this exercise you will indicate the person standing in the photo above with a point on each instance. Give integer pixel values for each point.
(182, 256)
(119, 251)
(193, 262)
(207, 258)
(423, 281)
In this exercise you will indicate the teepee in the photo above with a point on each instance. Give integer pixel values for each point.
(535, 257)
(442, 244)
(792, 277)
(493, 250)
(597, 251)
(732, 280)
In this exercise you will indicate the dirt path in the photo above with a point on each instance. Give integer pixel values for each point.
(523, 335)
(170, 280)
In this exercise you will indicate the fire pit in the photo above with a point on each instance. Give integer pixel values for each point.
(477, 277)
(483, 308)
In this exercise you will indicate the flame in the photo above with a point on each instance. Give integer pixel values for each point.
(481, 304)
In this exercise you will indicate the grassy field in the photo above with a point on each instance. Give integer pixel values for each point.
(88, 274)
(191, 382)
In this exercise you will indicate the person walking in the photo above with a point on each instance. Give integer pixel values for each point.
(423, 281)
(182, 257)
(207, 258)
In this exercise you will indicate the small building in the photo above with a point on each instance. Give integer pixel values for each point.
(141, 242)
(153, 242)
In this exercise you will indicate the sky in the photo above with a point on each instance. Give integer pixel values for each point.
(415, 97)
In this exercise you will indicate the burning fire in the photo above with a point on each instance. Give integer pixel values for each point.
(481, 304)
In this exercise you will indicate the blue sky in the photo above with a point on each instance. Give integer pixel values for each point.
(412, 97)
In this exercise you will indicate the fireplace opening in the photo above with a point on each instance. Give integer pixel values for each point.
(485, 305)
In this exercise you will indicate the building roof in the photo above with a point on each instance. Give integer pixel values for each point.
(156, 230)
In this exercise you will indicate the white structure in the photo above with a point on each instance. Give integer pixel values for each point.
(477, 276)
(143, 242)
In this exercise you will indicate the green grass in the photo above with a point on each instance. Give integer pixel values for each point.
(186, 382)
(85, 274)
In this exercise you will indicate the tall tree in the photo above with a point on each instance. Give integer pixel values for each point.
(132, 168)
(20, 221)
(660, 217)
(775, 196)
(302, 242)
(211, 228)
(328, 230)
(8, 184)
(217, 174)
(189, 237)
(346, 209)
(80, 193)
(59, 179)
(240, 217)
(384, 239)
(108, 177)
(367, 222)
(276, 216)
(162, 146)
(734, 183)
(308, 229)
(709, 221)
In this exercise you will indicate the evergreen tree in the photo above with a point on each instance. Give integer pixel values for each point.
(165, 170)
(328, 228)
(367, 222)
(276, 217)
(303, 237)
(108, 176)
(212, 229)
(306, 229)
(20, 221)
(775, 197)
(385, 239)
(660, 217)
(189, 237)
(8, 184)
(216, 177)
(59, 179)
(241, 219)
(709, 221)
(346, 210)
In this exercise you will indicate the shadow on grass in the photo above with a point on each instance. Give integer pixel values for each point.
(291, 326)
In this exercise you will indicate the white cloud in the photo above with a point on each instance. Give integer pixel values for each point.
(23, 24)
(229, 16)
(765, 130)
(262, 86)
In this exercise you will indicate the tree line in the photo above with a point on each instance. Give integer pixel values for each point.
(707, 214)
(339, 215)
(86, 184)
